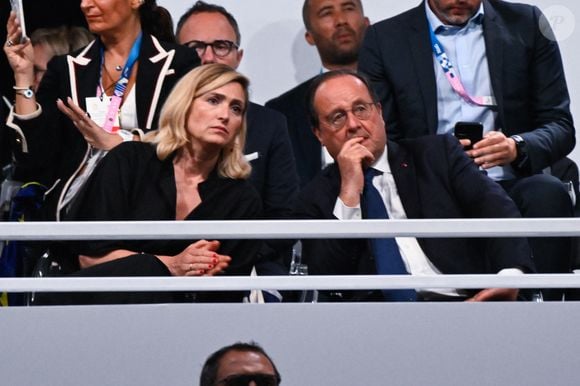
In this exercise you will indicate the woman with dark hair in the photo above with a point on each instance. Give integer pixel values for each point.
(88, 102)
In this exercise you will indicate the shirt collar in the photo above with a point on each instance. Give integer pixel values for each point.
(382, 163)
(437, 25)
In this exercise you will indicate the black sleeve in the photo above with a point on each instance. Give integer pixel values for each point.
(480, 197)
(245, 204)
(106, 196)
(327, 256)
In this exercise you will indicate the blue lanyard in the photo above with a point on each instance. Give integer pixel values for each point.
(121, 85)
(452, 77)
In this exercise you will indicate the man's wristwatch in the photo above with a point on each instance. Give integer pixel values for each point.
(26, 92)
(522, 160)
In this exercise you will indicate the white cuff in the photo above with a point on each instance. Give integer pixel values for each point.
(126, 135)
(510, 271)
(343, 212)
(27, 117)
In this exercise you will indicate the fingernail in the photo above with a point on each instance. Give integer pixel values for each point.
(210, 266)
(214, 260)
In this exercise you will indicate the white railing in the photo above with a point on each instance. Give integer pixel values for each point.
(292, 230)
(295, 229)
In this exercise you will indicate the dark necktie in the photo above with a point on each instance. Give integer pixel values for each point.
(387, 256)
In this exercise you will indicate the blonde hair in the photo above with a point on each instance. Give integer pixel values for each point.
(61, 40)
(172, 133)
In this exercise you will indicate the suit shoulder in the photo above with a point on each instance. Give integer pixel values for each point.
(132, 150)
(513, 14)
(402, 20)
(264, 112)
(290, 97)
(269, 122)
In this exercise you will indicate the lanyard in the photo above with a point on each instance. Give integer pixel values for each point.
(121, 85)
(453, 78)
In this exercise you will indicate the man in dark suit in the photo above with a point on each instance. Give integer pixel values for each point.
(336, 28)
(428, 177)
(214, 34)
(484, 61)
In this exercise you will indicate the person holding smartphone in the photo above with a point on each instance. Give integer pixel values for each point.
(490, 62)
(88, 102)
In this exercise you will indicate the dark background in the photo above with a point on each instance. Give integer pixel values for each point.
(37, 13)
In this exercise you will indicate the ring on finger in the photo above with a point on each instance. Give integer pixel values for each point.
(9, 43)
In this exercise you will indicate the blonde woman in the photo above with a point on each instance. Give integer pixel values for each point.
(192, 168)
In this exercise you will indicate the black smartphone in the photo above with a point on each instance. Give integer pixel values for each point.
(469, 130)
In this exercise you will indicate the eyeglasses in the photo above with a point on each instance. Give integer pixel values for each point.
(245, 379)
(360, 110)
(220, 48)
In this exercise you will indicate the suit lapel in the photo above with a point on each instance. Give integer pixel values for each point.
(154, 66)
(403, 169)
(493, 33)
(84, 73)
(422, 54)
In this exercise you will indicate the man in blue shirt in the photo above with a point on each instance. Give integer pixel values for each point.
(486, 61)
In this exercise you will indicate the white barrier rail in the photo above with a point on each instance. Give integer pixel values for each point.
(147, 230)
(141, 284)
(288, 229)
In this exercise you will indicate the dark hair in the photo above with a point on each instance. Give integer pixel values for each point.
(156, 21)
(320, 79)
(203, 7)
(306, 11)
(209, 371)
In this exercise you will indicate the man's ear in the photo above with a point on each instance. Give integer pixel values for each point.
(309, 38)
(240, 55)
(316, 131)
(367, 21)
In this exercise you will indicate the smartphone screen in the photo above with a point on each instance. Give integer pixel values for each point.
(469, 130)
(19, 10)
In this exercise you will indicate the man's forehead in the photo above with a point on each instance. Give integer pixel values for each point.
(243, 362)
(340, 90)
(315, 5)
(208, 24)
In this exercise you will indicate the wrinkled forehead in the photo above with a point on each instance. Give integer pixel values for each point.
(340, 92)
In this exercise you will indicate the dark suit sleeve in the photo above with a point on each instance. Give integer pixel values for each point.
(43, 135)
(327, 256)
(107, 197)
(281, 185)
(480, 197)
(553, 133)
(371, 65)
(246, 205)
